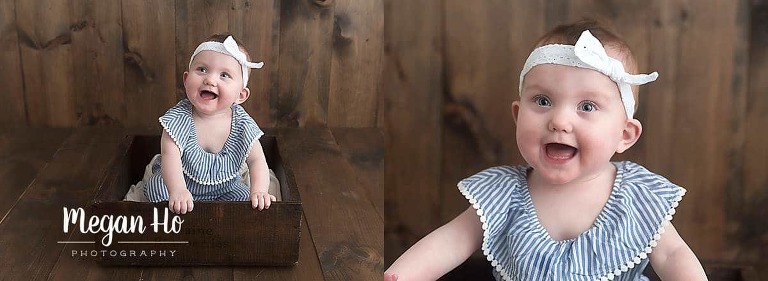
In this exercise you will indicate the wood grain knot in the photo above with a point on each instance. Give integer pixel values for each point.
(323, 3)
(342, 34)
(61, 40)
(135, 59)
(79, 26)
(350, 255)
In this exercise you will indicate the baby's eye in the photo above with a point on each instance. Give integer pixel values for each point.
(202, 69)
(225, 75)
(587, 106)
(542, 101)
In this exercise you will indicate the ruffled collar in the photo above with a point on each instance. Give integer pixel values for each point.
(640, 205)
(608, 210)
(205, 167)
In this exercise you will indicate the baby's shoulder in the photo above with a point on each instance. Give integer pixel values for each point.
(631, 174)
(638, 182)
(245, 131)
(241, 118)
(497, 172)
(177, 122)
(501, 177)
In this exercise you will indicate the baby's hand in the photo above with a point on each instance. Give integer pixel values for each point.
(180, 202)
(262, 200)
(390, 277)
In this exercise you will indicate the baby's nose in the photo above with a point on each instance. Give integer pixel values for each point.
(560, 122)
(208, 80)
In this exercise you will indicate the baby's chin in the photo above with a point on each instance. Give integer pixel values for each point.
(557, 179)
(553, 175)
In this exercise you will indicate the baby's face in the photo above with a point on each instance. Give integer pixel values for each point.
(214, 82)
(570, 122)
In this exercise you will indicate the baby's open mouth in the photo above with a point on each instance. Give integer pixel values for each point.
(560, 151)
(208, 95)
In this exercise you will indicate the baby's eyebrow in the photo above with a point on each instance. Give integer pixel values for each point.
(598, 96)
(197, 64)
(532, 87)
(228, 70)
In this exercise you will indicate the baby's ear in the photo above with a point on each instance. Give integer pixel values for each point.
(244, 94)
(630, 135)
(184, 78)
(515, 110)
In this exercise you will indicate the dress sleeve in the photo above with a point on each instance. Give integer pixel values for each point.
(494, 193)
(248, 131)
(630, 225)
(177, 122)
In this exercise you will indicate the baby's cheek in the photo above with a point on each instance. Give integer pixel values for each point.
(600, 145)
(523, 139)
(527, 144)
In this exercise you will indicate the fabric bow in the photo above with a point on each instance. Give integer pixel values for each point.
(590, 51)
(229, 47)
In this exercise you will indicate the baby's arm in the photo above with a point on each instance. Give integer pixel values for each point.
(440, 251)
(179, 197)
(672, 259)
(259, 174)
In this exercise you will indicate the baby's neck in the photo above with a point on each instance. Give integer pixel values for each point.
(567, 210)
(213, 117)
(601, 179)
(212, 130)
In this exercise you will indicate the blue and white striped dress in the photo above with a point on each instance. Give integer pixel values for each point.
(616, 247)
(209, 176)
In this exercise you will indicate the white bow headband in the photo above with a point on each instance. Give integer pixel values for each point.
(589, 53)
(230, 48)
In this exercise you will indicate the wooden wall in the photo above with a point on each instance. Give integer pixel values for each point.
(69, 63)
(437, 76)
(454, 67)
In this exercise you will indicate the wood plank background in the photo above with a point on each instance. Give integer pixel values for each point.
(121, 62)
(437, 76)
(450, 75)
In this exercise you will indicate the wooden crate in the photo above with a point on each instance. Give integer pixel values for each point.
(215, 233)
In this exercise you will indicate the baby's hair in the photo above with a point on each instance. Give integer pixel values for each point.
(569, 33)
(220, 37)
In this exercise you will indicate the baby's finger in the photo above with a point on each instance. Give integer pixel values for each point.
(254, 202)
(177, 207)
(267, 202)
(272, 197)
(261, 203)
(172, 206)
(183, 207)
(190, 205)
